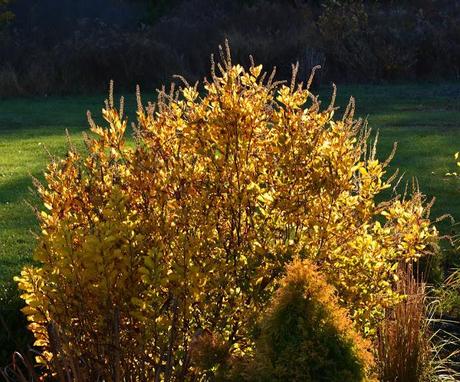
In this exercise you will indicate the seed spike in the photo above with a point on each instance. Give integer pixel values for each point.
(111, 103)
(295, 70)
(271, 77)
(90, 119)
(333, 97)
(138, 99)
(182, 78)
(312, 75)
(122, 106)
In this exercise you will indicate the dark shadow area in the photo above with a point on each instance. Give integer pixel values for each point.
(76, 47)
(17, 189)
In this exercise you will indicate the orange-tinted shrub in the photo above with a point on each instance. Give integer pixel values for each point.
(143, 247)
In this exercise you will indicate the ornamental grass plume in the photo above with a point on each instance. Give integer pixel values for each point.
(143, 247)
(404, 335)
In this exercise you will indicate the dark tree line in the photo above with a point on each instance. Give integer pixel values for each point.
(73, 46)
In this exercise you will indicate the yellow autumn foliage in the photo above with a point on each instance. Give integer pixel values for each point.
(457, 160)
(143, 247)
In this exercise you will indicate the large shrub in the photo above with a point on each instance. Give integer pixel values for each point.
(144, 247)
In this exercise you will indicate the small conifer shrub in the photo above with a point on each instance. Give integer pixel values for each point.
(142, 248)
(307, 336)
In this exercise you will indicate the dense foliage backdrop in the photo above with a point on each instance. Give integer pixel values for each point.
(55, 47)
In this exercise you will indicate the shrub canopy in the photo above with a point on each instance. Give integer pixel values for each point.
(141, 248)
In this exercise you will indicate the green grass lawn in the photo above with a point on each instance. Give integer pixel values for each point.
(423, 119)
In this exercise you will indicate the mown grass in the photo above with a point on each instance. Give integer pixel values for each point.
(423, 118)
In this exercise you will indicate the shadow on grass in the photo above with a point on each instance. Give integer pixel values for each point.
(18, 189)
(14, 335)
